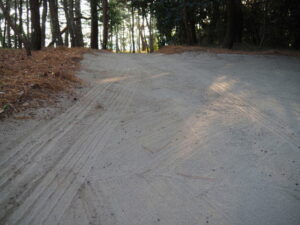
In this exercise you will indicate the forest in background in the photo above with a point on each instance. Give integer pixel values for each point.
(146, 25)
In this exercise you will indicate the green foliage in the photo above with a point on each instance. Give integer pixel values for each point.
(116, 14)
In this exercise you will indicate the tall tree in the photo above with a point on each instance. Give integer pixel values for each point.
(143, 35)
(78, 25)
(151, 41)
(188, 24)
(36, 34)
(117, 41)
(238, 21)
(1, 36)
(53, 7)
(9, 26)
(27, 18)
(132, 28)
(20, 19)
(69, 12)
(214, 15)
(67, 38)
(105, 23)
(18, 30)
(16, 21)
(94, 24)
(70, 25)
(4, 34)
(44, 19)
(234, 24)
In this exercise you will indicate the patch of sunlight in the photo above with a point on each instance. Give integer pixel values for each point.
(221, 84)
(159, 75)
(113, 79)
(116, 79)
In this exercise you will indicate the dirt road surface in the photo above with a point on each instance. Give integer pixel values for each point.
(185, 139)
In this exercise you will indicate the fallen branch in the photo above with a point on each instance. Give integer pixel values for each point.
(61, 33)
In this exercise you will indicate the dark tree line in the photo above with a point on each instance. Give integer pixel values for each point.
(150, 23)
(269, 23)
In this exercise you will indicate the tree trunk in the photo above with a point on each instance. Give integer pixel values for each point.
(16, 20)
(238, 21)
(60, 33)
(20, 19)
(188, 24)
(78, 25)
(193, 30)
(70, 19)
(110, 35)
(36, 37)
(105, 23)
(264, 25)
(19, 32)
(94, 25)
(8, 37)
(234, 23)
(151, 39)
(143, 36)
(143, 46)
(67, 38)
(27, 18)
(123, 38)
(230, 29)
(139, 34)
(4, 34)
(117, 41)
(1, 36)
(56, 37)
(44, 18)
(68, 11)
(132, 29)
(150, 34)
(8, 28)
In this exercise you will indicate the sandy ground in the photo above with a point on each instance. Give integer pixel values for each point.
(180, 139)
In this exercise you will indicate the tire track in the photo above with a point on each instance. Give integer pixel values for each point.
(50, 147)
(247, 109)
(25, 159)
(54, 129)
(148, 156)
(280, 130)
(43, 201)
(29, 172)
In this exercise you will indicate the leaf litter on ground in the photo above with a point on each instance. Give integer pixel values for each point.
(29, 82)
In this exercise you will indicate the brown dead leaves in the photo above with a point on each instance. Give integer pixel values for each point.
(31, 81)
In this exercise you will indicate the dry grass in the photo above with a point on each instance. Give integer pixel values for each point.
(27, 82)
(174, 49)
